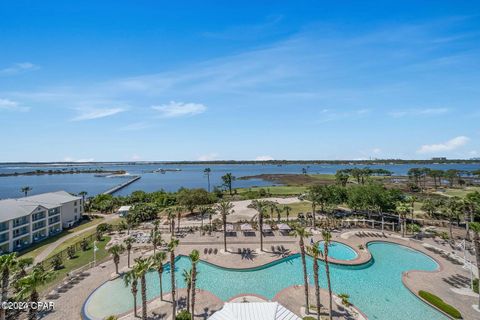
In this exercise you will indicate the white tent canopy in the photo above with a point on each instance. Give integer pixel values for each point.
(246, 227)
(284, 227)
(229, 227)
(253, 311)
(266, 227)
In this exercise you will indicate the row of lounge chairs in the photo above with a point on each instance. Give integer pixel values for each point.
(364, 234)
(210, 251)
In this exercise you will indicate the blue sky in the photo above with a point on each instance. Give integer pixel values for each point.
(206, 80)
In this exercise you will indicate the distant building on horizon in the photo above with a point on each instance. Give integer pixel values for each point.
(31, 219)
(439, 158)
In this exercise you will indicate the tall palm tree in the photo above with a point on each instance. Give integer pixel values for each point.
(130, 278)
(207, 171)
(228, 179)
(194, 258)
(287, 210)
(261, 207)
(29, 287)
(8, 264)
(224, 208)
(203, 211)
(141, 268)
(83, 194)
(187, 277)
(475, 227)
(452, 210)
(116, 250)
(171, 248)
(158, 260)
(156, 238)
(171, 217)
(302, 233)
(402, 210)
(128, 246)
(312, 195)
(179, 210)
(315, 252)
(25, 190)
(327, 237)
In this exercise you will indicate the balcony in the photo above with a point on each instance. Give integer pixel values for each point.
(38, 225)
(53, 220)
(20, 232)
(53, 212)
(3, 237)
(4, 226)
(38, 216)
(20, 222)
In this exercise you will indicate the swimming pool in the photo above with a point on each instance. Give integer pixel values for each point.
(339, 251)
(376, 287)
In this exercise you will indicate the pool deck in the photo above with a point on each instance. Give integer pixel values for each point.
(450, 274)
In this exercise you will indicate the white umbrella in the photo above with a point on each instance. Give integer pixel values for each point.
(246, 227)
(284, 227)
(229, 228)
(266, 227)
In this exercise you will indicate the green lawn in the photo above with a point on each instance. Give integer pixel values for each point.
(460, 192)
(82, 258)
(37, 248)
(277, 190)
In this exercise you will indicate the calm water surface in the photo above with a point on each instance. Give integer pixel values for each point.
(190, 176)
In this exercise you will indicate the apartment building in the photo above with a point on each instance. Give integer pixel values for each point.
(28, 220)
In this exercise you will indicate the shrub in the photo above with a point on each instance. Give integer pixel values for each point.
(440, 304)
(183, 315)
(475, 285)
(57, 262)
(84, 244)
(71, 252)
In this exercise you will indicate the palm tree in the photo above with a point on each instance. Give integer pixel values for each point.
(302, 233)
(158, 260)
(29, 286)
(179, 210)
(8, 264)
(194, 258)
(287, 210)
(83, 194)
(224, 208)
(327, 237)
(171, 248)
(130, 278)
(156, 238)
(21, 270)
(315, 252)
(207, 171)
(141, 268)
(25, 190)
(187, 277)
(116, 250)
(475, 227)
(312, 195)
(452, 209)
(204, 210)
(402, 211)
(128, 246)
(227, 181)
(171, 217)
(260, 206)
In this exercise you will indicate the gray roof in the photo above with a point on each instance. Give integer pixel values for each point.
(253, 311)
(16, 208)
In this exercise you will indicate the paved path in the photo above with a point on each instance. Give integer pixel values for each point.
(49, 249)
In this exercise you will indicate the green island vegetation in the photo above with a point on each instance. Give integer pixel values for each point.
(61, 171)
(440, 304)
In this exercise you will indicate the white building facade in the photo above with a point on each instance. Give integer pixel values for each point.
(28, 220)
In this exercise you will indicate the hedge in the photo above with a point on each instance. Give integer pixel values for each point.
(440, 304)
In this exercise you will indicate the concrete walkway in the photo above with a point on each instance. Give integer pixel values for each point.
(52, 246)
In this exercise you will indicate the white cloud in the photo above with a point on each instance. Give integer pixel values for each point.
(19, 68)
(419, 112)
(449, 145)
(10, 105)
(179, 109)
(90, 113)
(208, 157)
(264, 158)
(70, 159)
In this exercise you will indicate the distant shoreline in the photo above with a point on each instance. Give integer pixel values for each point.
(57, 172)
(269, 162)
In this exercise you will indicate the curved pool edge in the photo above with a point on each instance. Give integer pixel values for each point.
(345, 263)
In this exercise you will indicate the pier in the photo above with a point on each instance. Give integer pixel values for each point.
(122, 185)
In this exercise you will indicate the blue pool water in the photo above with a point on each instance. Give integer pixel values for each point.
(339, 251)
(376, 288)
